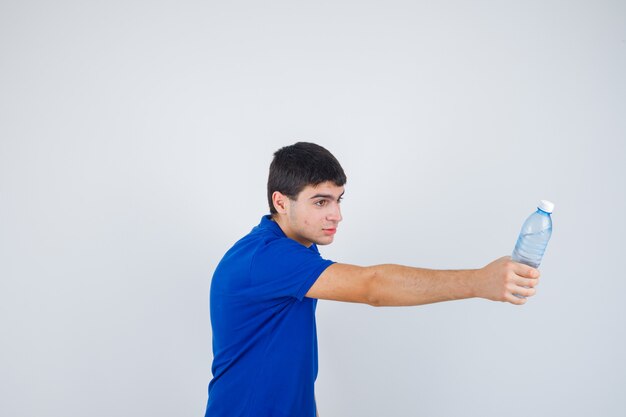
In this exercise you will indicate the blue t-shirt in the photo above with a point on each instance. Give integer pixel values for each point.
(264, 334)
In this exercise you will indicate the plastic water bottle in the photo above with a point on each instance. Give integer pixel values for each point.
(534, 236)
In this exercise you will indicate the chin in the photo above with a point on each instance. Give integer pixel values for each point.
(325, 241)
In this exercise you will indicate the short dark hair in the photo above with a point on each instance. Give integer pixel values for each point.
(301, 164)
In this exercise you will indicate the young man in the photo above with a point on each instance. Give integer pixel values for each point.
(265, 290)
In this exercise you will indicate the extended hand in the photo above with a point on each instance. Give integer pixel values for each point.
(503, 278)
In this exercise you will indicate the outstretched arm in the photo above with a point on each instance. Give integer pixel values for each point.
(397, 285)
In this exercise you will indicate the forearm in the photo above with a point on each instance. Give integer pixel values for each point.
(398, 285)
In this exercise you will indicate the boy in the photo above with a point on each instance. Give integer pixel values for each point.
(265, 290)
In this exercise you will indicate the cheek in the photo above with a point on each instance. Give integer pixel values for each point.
(308, 221)
(306, 218)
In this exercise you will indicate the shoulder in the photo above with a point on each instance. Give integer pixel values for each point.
(282, 250)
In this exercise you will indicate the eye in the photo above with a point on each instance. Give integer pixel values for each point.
(321, 203)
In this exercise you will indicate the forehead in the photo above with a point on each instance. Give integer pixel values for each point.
(327, 188)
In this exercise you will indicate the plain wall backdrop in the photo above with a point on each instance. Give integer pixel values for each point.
(135, 139)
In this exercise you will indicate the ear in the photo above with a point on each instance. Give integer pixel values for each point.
(280, 201)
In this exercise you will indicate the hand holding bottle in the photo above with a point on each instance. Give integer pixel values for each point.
(502, 279)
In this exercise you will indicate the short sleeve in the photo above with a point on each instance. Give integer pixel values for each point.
(285, 268)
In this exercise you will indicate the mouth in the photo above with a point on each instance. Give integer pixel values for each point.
(330, 232)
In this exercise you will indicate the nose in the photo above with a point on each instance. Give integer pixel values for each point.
(335, 214)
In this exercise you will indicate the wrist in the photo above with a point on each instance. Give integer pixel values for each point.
(473, 283)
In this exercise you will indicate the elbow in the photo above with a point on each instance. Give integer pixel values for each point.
(374, 302)
(372, 293)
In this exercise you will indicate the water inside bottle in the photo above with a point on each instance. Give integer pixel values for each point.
(530, 248)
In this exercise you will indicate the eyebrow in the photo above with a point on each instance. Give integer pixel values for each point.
(328, 196)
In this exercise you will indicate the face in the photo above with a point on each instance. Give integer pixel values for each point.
(313, 217)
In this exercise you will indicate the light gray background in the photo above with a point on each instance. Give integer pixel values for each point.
(135, 139)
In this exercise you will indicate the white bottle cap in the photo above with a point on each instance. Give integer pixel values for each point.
(546, 206)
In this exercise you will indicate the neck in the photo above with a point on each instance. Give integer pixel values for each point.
(281, 221)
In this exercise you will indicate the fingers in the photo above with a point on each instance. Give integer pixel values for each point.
(515, 300)
(523, 284)
(525, 270)
(526, 282)
(523, 291)
(519, 295)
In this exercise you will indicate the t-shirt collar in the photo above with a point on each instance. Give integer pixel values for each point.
(268, 223)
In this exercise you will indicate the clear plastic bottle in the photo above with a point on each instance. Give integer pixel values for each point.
(534, 236)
